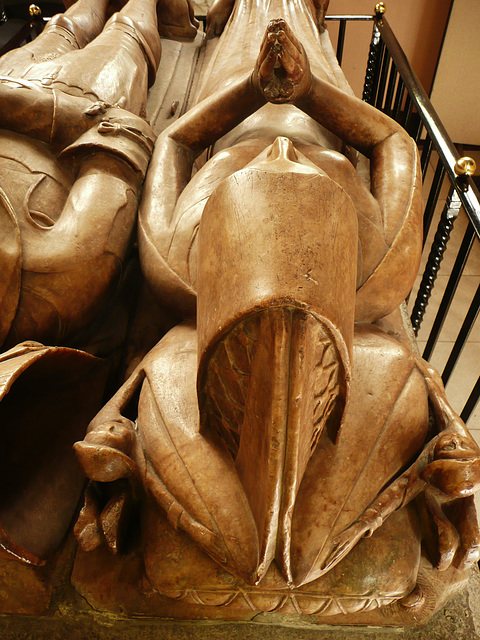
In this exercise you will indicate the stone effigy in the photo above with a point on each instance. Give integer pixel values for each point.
(286, 418)
(282, 448)
(74, 149)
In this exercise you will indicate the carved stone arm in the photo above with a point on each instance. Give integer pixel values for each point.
(395, 184)
(178, 146)
(170, 171)
(393, 154)
(448, 470)
(216, 115)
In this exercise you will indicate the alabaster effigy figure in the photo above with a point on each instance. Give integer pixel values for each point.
(289, 450)
(282, 448)
(74, 149)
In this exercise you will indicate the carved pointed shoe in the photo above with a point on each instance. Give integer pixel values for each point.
(275, 328)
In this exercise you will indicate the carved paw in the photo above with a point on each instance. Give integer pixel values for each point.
(457, 536)
(87, 529)
(105, 517)
(104, 454)
(455, 469)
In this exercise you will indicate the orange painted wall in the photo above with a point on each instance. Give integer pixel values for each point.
(418, 24)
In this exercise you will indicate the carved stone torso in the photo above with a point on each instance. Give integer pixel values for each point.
(180, 240)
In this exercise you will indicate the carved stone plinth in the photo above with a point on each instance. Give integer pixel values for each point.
(459, 619)
(363, 589)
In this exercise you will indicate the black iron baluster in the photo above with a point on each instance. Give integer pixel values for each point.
(373, 63)
(341, 40)
(399, 95)
(383, 80)
(469, 195)
(418, 133)
(471, 403)
(433, 198)
(407, 112)
(426, 153)
(462, 337)
(392, 80)
(450, 290)
(445, 226)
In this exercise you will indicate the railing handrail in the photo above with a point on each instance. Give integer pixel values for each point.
(464, 185)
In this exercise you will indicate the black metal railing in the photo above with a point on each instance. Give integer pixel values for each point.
(392, 86)
(342, 28)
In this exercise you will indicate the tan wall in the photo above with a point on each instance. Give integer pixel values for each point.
(418, 24)
(457, 84)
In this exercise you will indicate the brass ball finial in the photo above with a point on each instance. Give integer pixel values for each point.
(465, 166)
(380, 9)
(34, 11)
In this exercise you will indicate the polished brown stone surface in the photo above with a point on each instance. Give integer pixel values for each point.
(272, 478)
(273, 448)
(73, 154)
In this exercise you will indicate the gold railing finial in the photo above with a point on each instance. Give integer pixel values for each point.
(465, 166)
(380, 9)
(34, 11)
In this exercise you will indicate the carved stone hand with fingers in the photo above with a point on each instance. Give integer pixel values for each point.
(282, 72)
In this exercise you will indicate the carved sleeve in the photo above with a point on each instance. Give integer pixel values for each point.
(170, 171)
(43, 113)
(395, 184)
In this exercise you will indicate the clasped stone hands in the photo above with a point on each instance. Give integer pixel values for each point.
(282, 71)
